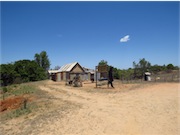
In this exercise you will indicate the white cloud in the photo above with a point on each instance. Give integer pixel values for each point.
(125, 38)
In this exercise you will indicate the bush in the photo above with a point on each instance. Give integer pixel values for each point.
(5, 89)
(17, 80)
(21, 71)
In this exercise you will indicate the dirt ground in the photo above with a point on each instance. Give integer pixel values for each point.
(129, 109)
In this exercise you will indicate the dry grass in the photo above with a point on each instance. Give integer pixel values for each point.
(147, 108)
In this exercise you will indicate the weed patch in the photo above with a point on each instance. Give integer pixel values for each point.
(19, 99)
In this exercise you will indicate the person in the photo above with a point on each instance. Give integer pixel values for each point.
(110, 77)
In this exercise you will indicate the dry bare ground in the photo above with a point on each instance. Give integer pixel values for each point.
(129, 109)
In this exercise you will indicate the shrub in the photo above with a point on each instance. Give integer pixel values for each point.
(5, 89)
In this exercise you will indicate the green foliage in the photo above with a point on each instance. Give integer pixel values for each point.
(126, 74)
(170, 67)
(8, 74)
(141, 67)
(23, 89)
(21, 71)
(27, 105)
(5, 89)
(166, 69)
(138, 70)
(102, 62)
(42, 60)
(16, 113)
(37, 59)
(176, 68)
(17, 90)
(116, 73)
(156, 68)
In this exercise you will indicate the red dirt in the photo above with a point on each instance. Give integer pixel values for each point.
(11, 103)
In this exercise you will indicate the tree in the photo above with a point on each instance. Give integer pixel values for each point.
(116, 73)
(45, 63)
(7, 74)
(144, 65)
(135, 69)
(140, 68)
(42, 60)
(157, 68)
(102, 62)
(28, 70)
(21, 71)
(37, 59)
(170, 66)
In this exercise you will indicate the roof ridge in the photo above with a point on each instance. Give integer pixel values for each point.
(68, 66)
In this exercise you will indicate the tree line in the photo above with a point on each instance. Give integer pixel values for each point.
(25, 70)
(138, 70)
(35, 70)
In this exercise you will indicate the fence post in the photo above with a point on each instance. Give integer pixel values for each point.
(122, 80)
(96, 75)
(25, 103)
(3, 95)
(172, 77)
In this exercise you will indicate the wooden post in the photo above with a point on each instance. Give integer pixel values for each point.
(96, 75)
(3, 95)
(172, 77)
(25, 103)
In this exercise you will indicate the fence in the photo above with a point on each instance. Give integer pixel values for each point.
(155, 78)
(166, 78)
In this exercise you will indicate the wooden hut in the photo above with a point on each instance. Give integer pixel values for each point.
(68, 72)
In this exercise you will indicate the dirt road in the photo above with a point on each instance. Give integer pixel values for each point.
(148, 109)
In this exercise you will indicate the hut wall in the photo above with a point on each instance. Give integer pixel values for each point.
(64, 76)
(58, 77)
(77, 69)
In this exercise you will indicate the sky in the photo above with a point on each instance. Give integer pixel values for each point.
(88, 32)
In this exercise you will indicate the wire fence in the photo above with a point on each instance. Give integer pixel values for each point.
(155, 78)
(166, 78)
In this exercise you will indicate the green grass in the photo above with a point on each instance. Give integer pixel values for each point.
(15, 113)
(16, 90)
(29, 89)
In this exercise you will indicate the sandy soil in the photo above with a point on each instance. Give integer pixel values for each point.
(129, 109)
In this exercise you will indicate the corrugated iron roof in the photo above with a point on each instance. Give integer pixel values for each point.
(52, 71)
(88, 70)
(67, 67)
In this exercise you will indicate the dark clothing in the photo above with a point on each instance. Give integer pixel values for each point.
(110, 78)
(110, 82)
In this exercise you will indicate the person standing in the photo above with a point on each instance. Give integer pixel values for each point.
(110, 77)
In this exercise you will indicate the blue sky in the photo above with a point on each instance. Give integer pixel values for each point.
(88, 32)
